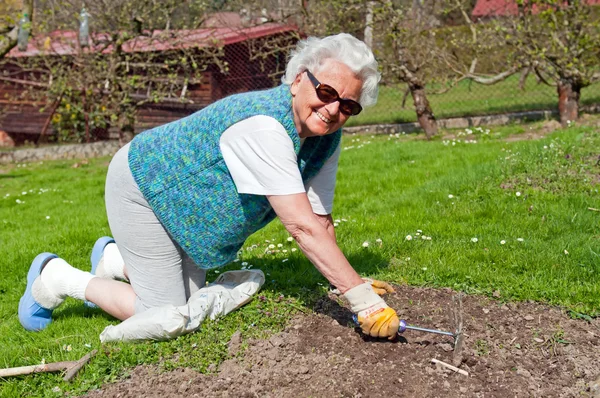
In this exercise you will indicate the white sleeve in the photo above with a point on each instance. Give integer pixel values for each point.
(260, 157)
(320, 188)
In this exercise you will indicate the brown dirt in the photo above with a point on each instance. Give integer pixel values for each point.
(510, 350)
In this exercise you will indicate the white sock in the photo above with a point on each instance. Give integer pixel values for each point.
(111, 265)
(59, 280)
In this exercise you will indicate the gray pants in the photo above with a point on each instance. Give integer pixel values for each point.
(159, 271)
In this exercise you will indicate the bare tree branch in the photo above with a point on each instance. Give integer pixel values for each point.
(494, 79)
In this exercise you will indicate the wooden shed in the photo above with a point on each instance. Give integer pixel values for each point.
(24, 120)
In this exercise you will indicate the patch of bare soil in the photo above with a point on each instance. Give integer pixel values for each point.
(510, 350)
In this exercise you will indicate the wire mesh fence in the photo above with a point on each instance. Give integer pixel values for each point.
(256, 59)
(395, 104)
(470, 99)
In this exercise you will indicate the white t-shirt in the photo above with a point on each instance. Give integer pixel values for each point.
(261, 159)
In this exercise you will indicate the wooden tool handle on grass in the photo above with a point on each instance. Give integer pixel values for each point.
(47, 367)
(71, 367)
(72, 370)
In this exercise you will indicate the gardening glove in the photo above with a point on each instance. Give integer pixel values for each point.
(374, 316)
(380, 287)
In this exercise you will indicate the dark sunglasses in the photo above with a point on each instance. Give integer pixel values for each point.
(327, 94)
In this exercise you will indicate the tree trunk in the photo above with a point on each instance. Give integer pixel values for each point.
(42, 136)
(86, 116)
(568, 101)
(126, 125)
(424, 113)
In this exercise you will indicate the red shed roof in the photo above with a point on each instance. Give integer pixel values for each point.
(65, 42)
(497, 8)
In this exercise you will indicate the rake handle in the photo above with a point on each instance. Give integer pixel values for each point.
(71, 367)
(26, 370)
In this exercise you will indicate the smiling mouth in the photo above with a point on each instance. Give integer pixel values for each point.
(323, 118)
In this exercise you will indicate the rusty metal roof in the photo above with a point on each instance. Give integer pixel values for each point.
(65, 42)
(502, 8)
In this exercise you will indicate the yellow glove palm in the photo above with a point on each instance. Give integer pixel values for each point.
(379, 321)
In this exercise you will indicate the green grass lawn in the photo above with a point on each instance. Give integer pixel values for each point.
(505, 219)
(470, 99)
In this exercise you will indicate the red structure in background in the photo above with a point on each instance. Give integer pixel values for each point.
(23, 120)
(504, 8)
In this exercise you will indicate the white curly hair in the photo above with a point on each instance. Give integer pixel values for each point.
(347, 49)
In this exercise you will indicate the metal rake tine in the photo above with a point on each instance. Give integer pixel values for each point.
(457, 312)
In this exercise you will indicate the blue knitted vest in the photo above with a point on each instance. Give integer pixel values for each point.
(181, 172)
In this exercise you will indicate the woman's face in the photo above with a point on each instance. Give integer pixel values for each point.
(314, 117)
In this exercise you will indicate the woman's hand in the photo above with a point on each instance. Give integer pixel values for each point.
(380, 287)
(374, 316)
(381, 321)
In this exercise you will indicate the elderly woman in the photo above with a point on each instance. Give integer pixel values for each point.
(182, 198)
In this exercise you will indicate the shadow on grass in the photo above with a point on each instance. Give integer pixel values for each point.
(296, 278)
(299, 278)
(79, 310)
(298, 273)
(10, 176)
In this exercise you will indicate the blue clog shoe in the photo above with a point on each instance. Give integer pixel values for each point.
(32, 315)
(97, 253)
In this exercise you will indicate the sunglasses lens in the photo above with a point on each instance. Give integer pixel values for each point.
(350, 108)
(327, 94)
